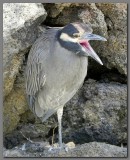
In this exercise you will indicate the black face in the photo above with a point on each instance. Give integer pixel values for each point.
(73, 31)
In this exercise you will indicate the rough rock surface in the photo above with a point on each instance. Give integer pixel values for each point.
(64, 13)
(100, 110)
(20, 21)
(14, 106)
(115, 50)
(40, 149)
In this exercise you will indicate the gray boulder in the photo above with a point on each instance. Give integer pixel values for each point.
(115, 50)
(20, 30)
(97, 113)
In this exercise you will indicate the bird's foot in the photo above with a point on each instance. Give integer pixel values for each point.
(58, 148)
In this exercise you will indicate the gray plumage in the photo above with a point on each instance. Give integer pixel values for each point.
(56, 68)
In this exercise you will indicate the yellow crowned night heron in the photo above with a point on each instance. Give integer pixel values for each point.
(56, 68)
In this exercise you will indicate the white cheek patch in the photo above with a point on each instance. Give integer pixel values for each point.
(66, 37)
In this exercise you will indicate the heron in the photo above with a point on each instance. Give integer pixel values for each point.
(56, 68)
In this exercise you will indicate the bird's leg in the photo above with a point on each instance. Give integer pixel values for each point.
(59, 116)
(61, 145)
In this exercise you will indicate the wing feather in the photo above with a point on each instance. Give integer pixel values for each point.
(35, 75)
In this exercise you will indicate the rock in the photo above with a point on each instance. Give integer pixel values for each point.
(115, 50)
(12, 153)
(97, 113)
(20, 21)
(14, 106)
(19, 35)
(63, 13)
(70, 145)
(94, 149)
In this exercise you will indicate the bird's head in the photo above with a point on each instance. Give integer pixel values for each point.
(75, 38)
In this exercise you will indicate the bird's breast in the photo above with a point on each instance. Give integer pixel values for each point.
(66, 73)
